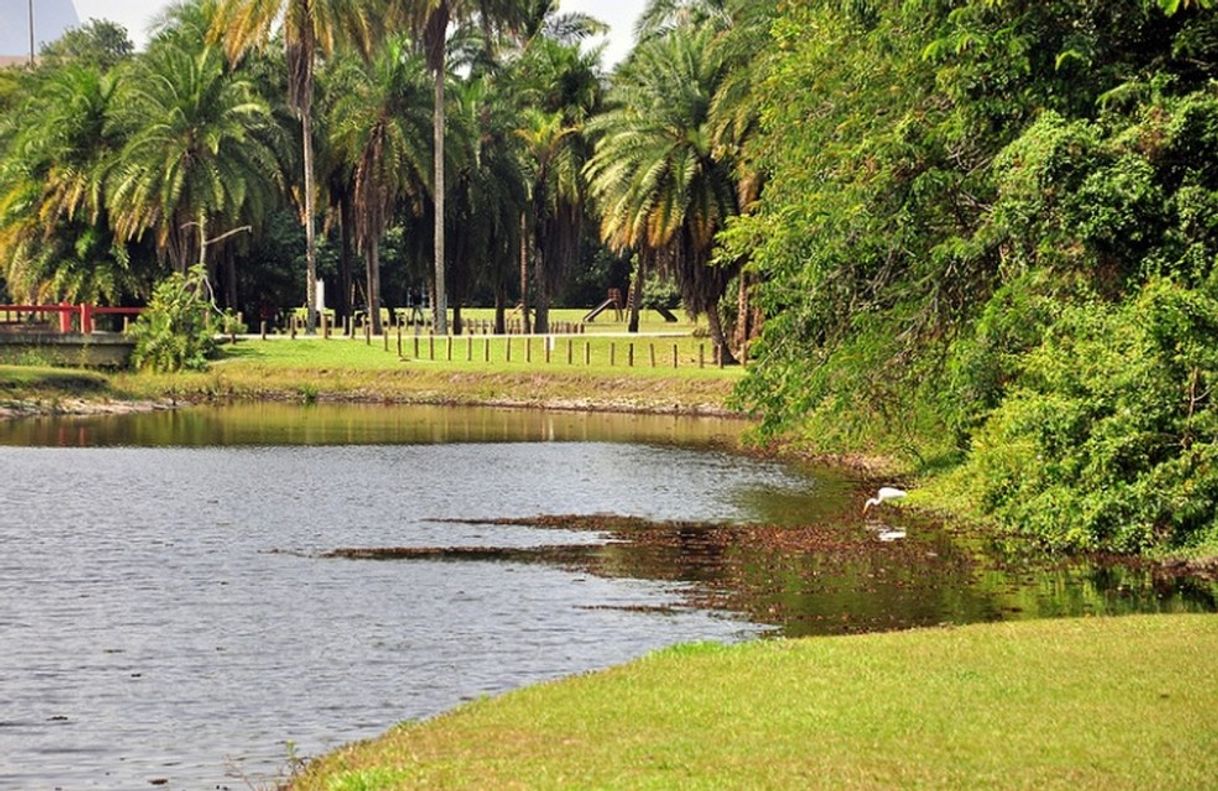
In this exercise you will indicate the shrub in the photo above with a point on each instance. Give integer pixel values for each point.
(1109, 440)
(176, 332)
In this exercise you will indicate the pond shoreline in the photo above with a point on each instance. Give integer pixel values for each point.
(17, 409)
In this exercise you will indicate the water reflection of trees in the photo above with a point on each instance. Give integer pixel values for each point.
(834, 579)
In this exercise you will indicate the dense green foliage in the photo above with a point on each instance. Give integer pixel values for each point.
(989, 231)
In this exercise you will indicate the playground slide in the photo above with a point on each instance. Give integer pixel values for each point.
(592, 314)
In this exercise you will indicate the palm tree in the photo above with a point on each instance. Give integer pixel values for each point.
(380, 128)
(430, 20)
(54, 237)
(542, 19)
(741, 37)
(561, 87)
(487, 190)
(657, 181)
(552, 164)
(200, 155)
(661, 17)
(309, 29)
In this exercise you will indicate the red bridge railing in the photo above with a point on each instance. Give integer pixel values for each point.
(84, 312)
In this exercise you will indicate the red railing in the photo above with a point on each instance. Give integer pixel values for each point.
(84, 311)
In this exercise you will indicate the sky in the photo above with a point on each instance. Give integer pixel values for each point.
(135, 15)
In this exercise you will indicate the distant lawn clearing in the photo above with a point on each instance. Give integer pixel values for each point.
(578, 355)
(1125, 703)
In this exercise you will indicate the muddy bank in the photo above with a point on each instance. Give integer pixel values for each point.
(79, 407)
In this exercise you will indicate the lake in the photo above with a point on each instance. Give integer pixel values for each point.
(168, 611)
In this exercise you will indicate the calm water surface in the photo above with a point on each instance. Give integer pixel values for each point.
(165, 613)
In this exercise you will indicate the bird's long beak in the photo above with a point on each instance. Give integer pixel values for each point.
(865, 507)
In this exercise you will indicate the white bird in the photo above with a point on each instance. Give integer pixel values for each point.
(885, 494)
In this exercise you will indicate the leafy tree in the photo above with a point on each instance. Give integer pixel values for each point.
(981, 235)
(99, 43)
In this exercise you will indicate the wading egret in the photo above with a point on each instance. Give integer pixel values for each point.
(885, 494)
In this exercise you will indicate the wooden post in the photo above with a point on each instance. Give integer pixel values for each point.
(469, 348)
(367, 334)
(528, 349)
(448, 352)
(325, 327)
(587, 354)
(385, 337)
(652, 348)
(630, 356)
(613, 354)
(549, 343)
(570, 352)
(508, 341)
(262, 328)
(701, 355)
(719, 355)
(486, 348)
(676, 360)
(431, 345)
(416, 346)
(399, 340)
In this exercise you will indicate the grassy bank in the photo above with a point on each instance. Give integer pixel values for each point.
(670, 374)
(32, 390)
(1114, 703)
(589, 373)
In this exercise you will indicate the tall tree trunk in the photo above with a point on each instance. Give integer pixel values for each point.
(716, 332)
(306, 126)
(230, 280)
(501, 308)
(346, 255)
(440, 306)
(374, 285)
(542, 323)
(742, 312)
(524, 271)
(636, 294)
(431, 298)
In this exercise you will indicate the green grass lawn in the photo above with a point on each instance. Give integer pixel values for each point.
(1111, 703)
(649, 320)
(694, 357)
